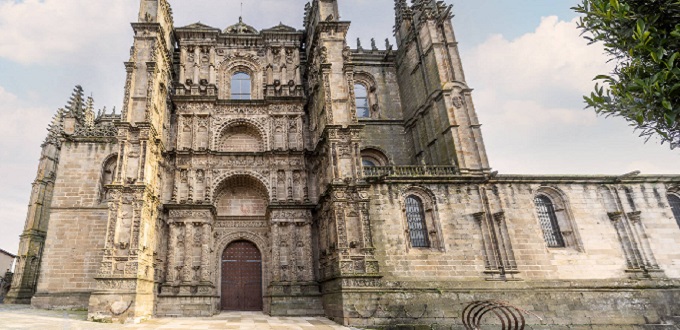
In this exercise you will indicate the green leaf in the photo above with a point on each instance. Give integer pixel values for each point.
(672, 59)
(667, 105)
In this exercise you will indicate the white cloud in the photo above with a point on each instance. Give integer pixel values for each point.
(529, 98)
(22, 129)
(38, 31)
(553, 57)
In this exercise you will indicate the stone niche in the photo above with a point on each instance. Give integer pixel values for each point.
(189, 286)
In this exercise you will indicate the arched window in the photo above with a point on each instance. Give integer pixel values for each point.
(415, 216)
(674, 201)
(549, 223)
(361, 95)
(240, 86)
(371, 157)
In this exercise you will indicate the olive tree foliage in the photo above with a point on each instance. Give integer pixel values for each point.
(642, 37)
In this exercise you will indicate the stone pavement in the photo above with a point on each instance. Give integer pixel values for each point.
(24, 317)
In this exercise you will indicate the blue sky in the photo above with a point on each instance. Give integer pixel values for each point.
(524, 58)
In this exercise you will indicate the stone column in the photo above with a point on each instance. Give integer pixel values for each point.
(182, 68)
(213, 79)
(632, 258)
(172, 261)
(206, 234)
(639, 230)
(197, 65)
(188, 252)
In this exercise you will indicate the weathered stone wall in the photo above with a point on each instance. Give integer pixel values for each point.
(547, 305)
(596, 254)
(390, 139)
(75, 238)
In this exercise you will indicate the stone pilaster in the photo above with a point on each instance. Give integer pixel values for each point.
(125, 292)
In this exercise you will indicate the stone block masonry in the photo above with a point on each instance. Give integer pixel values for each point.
(283, 171)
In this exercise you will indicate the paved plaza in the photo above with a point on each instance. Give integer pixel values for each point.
(24, 317)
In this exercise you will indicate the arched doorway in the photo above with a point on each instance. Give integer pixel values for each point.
(241, 277)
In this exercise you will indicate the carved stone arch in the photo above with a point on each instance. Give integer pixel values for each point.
(223, 240)
(562, 212)
(556, 195)
(608, 200)
(673, 189)
(368, 81)
(241, 121)
(223, 177)
(378, 154)
(107, 176)
(235, 63)
(428, 196)
(673, 200)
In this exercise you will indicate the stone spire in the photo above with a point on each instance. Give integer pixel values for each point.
(55, 128)
(89, 113)
(76, 104)
(402, 12)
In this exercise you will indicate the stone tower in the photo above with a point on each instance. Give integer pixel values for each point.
(283, 171)
(125, 279)
(444, 123)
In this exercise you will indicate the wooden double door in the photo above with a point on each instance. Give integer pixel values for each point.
(241, 277)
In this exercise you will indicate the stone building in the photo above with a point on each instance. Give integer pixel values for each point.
(280, 170)
(6, 262)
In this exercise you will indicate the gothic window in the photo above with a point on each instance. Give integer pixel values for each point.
(361, 95)
(674, 201)
(415, 216)
(240, 86)
(549, 223)
(372, 157)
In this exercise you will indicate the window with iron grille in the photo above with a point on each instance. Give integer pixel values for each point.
(415, 216)
(240, 87)
(548, 219)
(674, 201)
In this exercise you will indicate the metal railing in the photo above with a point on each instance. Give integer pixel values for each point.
(409, 171)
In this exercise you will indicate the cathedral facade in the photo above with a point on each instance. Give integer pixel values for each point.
(282, 171)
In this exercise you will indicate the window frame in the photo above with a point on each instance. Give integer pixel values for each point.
(365, 98)
(418, 237)
(565, 218)
(235, 78)
(545, 207)
(674, 205)
(430, 215)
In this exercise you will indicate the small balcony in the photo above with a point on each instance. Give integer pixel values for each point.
(419, 171)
